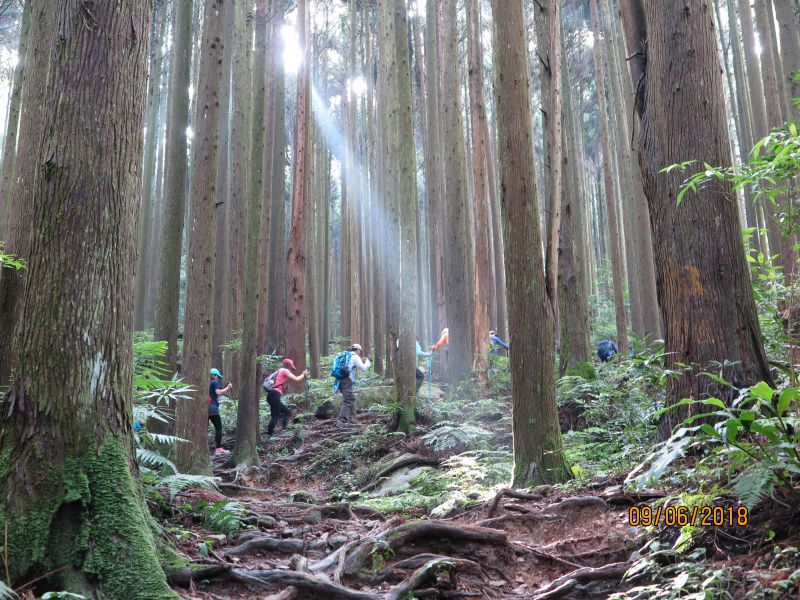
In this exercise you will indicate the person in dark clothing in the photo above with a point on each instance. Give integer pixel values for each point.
(606, 350)
(275, 384)
(215, 390)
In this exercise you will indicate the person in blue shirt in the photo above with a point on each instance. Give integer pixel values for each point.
(497, 343)
(606, 350)
(215, 390)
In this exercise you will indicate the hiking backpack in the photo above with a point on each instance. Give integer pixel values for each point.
(340, 368)
(269, 382)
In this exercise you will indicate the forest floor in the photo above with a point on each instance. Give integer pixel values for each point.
(358, 512)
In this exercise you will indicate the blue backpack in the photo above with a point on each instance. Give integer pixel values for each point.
(340, 368)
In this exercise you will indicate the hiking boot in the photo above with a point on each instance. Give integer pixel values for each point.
(287, 433)
(221, 452)
(271, 439)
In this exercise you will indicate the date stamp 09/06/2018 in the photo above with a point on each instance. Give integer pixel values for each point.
(680, 516)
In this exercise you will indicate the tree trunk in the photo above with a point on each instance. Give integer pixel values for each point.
(786, 13)
(609, 188)
(72, 510)
(247, 422)
(12, 123)
(191, 421)
(456, 255)
(572, 296)
(479, 158)
(703, 284)
(166, 325)
(17, 241)
(538, 450)
(296, 307)
(497, 236)
(157, 31)
(221, 289)
(405, 371)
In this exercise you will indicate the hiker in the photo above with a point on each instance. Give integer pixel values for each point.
(274, 385)
(497, 341)
(420, 354)
(214, 392)
(606, 350)
(443, 343)
(344, 372)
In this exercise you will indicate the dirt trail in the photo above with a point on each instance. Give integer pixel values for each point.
(546, 545)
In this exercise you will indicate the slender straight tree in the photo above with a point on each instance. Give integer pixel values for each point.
(221, 321)
(12, 124)
(407, 200)
(704, 287)
(609, 187)
(67, 445)
(789, 29)
(191, 422)
(175, 169)
(456, 238)
(158, 29)
(538, 449)
(296, 304)
(247, 422)
(481, 191)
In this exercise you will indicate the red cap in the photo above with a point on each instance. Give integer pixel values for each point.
(288, 362)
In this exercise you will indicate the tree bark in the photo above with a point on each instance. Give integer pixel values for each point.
(158, 29)
(609, 188)
(786, 14)
(538, 450)
(12, 123)
(455, 236)
(191, 422)
(167, 301)
(296, 307)
(703, 284)
(72, 509)
(480, 350)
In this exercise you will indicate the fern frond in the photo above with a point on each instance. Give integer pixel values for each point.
(182, 481)
(154, 459)
(6, 593)
(755, 484)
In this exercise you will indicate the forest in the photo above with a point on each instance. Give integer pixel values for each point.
(399, 299)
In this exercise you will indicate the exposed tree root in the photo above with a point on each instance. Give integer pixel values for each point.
(629, 499)
(185, 576)
(271, 544)
(243, 488)
(419, 577)
(527, 518)
(314, 585)
(290, 593)
(576, 502)
(512, 493)
(526, 549)
(563, 585)
(416, 530)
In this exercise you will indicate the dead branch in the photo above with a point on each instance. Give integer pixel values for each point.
(564, 584)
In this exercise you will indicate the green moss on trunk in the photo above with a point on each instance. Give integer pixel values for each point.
(91, 525)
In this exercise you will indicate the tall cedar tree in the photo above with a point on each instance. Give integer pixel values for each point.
(454, 227)
(538, 449)
(405, 369)
(296, 304)
(246, 449)
(72, 508)
(191, 422)
(168, 298)
(703, 284)
(481, 192)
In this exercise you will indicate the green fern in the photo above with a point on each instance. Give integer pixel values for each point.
(225, 516)
(181, 481)
(755, 483)
(449, 434)
(6, 593)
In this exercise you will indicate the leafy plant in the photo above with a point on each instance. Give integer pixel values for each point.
(757, 435)
(9, 260)
(224, 516)
(448, 435)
